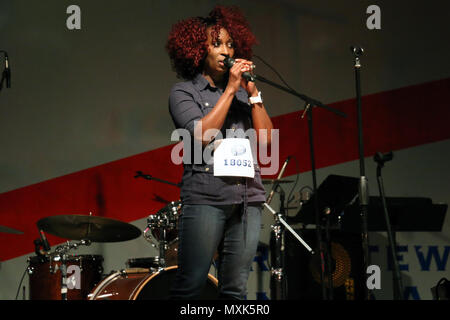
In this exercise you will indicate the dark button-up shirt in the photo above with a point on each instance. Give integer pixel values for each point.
(190, 101)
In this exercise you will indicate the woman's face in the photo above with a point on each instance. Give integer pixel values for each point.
(216, 47)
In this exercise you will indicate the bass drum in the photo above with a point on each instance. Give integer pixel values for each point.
(141, 284)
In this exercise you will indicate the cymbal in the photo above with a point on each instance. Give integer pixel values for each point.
(270, 181)
(4, 229)
(83, 227)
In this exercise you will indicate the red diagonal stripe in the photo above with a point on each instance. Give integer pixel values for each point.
(392, 120)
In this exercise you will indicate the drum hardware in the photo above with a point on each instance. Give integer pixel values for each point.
(61, 255)
(151, 263)
(30, 269)
(163, 232)
(163, 226)
(87, 229)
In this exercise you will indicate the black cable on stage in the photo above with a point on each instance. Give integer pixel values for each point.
(20, 284)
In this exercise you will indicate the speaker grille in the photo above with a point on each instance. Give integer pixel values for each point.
(303, 270)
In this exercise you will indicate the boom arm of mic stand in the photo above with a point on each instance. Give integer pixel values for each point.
(301, 96)
(149, 177)
(295, 234)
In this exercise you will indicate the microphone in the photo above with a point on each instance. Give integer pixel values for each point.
(382, 158)
(275, 185)
(229, 62)
(45, 243)
(357, 50)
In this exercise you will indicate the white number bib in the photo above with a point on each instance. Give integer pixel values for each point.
(233, 157)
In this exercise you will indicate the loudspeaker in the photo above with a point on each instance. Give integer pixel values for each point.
(302, 270)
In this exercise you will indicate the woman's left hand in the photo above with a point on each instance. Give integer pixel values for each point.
(249, 86)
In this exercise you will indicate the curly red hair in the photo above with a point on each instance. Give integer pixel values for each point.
(187, 42)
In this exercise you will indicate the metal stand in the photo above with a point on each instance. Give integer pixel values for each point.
(278, 285)
(323, 252)
(397, 279)
(363, 183)
(280, 219)
(164, 221)
(64, 276)
(61, 255)
(139, 174)
(6, 74)
(309, 103)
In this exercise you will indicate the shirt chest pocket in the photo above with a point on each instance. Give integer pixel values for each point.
(206, 106)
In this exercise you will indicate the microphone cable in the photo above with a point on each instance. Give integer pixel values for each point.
(20, 284)
(274, 70)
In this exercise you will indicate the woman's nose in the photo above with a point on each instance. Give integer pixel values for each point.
(225, 49)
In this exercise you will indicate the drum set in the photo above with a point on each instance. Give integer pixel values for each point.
(60, 275)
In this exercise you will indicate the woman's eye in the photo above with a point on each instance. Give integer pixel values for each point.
(230, 45)
(216, 44)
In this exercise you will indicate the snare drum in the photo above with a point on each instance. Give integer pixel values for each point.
(84, 272)
(141, 284)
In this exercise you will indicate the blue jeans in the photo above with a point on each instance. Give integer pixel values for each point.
(203, 229)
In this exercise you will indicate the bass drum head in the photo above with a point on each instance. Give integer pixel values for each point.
(158, 286)
(142, 284)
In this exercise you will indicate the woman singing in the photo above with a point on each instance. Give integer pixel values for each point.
(220, 213)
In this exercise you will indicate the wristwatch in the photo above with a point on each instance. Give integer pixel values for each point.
(258, 99)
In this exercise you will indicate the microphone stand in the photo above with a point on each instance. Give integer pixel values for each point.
(139, 174)
(397, 279)
(363, 182)
(6, 74)
(278, 280)
(309, 103)
(278, 287)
